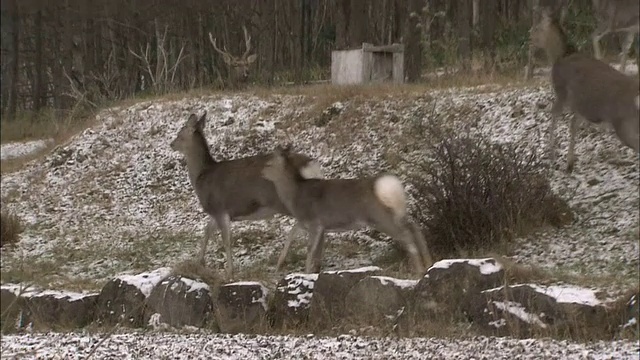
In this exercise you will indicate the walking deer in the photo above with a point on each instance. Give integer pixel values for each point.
(591, 88)
(238, 66)
(232, 190)
(337, 205)
(616, 16)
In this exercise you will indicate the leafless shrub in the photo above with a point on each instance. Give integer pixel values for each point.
(476, 194)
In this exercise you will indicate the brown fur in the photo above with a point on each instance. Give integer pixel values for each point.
(231, 190)
(337, 205)
(591, 88)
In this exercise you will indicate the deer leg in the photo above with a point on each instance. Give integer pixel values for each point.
(528, 71)
(404, 236)
(556, 112)
(209, 229)
(224, 223)
(297, 228)
(573, 129)
(629, 133)
(595, 38)
(314, 249)
(423, 247)
(626, 46)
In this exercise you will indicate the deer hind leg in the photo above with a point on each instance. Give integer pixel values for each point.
(297, 229)
(626, 46)
(403, 234)
(224, 223)
(573, 129)
(629, 133)
(423, 247)
(314, 249)
(528, 71)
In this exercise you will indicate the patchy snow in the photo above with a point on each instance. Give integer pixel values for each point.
(119, 198)
(146, 281)
(401, 283)
(300, 285)
(205, 345)
(20, 149)
(364, 269)
(520, 312)
(569, 294)
(194, 285)
(486, 266)
(27, 292)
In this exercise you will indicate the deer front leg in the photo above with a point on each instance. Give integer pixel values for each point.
(314, 249)
(573, 129)
(224, 223)
(528, 71)
(626, 46)
(421, 242)
(297, 228)
(209, 229)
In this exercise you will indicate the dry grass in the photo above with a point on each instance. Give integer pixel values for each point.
(10, 228)
(194, 270)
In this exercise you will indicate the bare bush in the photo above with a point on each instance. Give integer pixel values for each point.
(10, 228)
(476, 194)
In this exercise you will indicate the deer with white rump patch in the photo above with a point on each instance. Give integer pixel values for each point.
(592, 89)
(337, 205)
(238, 66)
(232, 190)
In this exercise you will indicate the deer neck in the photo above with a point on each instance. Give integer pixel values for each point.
(286, 185)
(557, 46)
(198, 158)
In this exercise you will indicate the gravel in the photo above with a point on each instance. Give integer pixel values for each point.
(219, 346)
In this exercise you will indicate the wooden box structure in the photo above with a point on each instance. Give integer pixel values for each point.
(370, 64)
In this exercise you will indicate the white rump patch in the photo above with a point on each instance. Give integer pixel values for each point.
(390, 192)
(311, 171)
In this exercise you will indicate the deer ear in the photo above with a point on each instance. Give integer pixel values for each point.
(227, 59)
(192, 121)
(201, 121)
(251, 59)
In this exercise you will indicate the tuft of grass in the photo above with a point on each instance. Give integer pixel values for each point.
(194, 270)
(10, 228)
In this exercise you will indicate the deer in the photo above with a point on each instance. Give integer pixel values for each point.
(232, 190)
(559, 9)
(616, 16)
(238, 66)
(339, 205)
(593, 90)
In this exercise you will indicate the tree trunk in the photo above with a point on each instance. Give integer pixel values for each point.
(413, 43)
(463, 12)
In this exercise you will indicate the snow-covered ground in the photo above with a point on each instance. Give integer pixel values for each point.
(116, 197)
(19, 149)
(202, 345)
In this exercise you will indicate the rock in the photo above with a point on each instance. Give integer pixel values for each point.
(123, 299)
(181, 301)
(48, 309)
(328, 304)
(241, 307)
(292, 300)
(526, 310)
(329, 113)
(378, 300)
(450, 285)
(12, 308)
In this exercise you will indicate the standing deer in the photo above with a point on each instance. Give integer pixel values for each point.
(238, 66)
(616, 16)
(559, 10)
(232, 190)
(337, 205)
(591, 88)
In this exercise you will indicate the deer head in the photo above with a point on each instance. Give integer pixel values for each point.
(238, 65)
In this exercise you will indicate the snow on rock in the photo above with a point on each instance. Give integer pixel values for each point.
(264, 292)
(300, 286)
(205, 345)
(27, 292)
(569, 294)
(364, 269)
(19, 149)
(194, 285)
(401, 283)
(146, 281)
(519, 311)
(486, 266)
